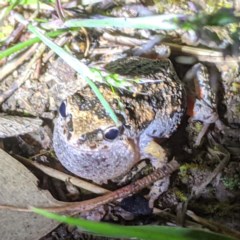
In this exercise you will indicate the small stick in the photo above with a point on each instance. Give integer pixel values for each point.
(213, 226)
(196, 191)
(87, 205)
(19, 82)
(63, 176)
(10, 67)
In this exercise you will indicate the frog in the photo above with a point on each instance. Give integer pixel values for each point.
(229, 104)
(201, 101)
(87, 141)
(213, 100)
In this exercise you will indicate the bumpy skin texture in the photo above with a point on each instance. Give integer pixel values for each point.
(83, 129)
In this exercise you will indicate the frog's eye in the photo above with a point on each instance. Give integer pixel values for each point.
(111, 133)
(62, 109)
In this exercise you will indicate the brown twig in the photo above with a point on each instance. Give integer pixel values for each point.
(123, 40)
(203, 54)
(10, 67)
(15, 35)
(74, 208)
(85, 32)
(59, 9)
(196, 191)
(216, 227)
(60, 41)
(63, 176)
(21, 80)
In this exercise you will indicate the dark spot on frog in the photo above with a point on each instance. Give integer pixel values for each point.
(93, 136)
(83, 102)
(88, 154)
(104, 160)
(153, 132)
(89, 103)
(69, 136)
(121, 119)
(69, 123)
(131, 113)
(82, 139)
(171, 115)
(62, 109)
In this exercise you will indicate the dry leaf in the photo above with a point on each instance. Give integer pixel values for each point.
(14, 125)
(19, 188)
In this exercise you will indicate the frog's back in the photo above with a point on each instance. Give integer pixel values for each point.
(157, 109)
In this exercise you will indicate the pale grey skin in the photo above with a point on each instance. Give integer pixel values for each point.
(154, 112)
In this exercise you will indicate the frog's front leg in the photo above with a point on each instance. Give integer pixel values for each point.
(158, 159)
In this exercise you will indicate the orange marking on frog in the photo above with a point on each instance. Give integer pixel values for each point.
(199, 94)
(190, 105)
(198, 89)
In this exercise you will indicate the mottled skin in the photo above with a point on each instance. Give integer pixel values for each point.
(154, 111)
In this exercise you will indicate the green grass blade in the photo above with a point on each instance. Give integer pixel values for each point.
(164, 22)
(30, 42)
(81, 68)
(140, 232)
(160, 22)
(7, 10)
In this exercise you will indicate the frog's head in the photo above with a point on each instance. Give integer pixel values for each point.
(87, 123)
(99, 149)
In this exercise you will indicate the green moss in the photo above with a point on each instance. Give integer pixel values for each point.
(236, 87)
(184, 171)
(186, 167)
(232, 183)
(181, 196)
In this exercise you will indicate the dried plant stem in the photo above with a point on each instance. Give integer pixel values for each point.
(21, 80)
(63, 176)
(196, 191)
(213, 226)
(10, 67)
(74, 208)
